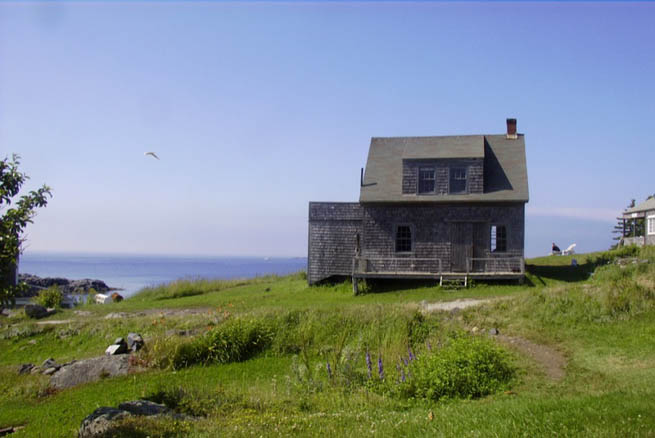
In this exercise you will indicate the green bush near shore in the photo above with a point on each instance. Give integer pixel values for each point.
(50, 297)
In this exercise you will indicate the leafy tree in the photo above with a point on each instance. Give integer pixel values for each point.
(15, 215)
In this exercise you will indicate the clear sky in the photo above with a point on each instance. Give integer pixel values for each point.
(257, 108)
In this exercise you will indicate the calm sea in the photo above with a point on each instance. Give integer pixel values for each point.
(132, 273)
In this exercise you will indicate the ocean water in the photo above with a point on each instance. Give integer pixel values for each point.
(134, 272)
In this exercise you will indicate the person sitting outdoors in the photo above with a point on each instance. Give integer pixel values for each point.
(555, 249)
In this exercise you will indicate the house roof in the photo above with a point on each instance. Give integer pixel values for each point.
(464, 146)
(505, 170)
(648, 204)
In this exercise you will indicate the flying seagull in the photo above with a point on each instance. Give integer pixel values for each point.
(151, 153)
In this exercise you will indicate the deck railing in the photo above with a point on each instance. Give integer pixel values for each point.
(396, 265)
(496, 265)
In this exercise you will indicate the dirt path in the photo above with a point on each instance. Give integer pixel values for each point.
(552, 361)
(461, 303)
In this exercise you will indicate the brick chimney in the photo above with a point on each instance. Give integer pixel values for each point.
(511, 129)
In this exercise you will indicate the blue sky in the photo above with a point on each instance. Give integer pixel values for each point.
(257, 108)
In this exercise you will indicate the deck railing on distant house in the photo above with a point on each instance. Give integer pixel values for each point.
(491, 265)
(397, 265)
(414, 267)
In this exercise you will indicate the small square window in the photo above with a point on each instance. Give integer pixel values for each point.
(426, 180)
(403, 238)
(498, 238)
(457, 180)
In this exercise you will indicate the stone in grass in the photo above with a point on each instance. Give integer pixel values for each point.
(134, 341)
(145, 407)
(50, 371)
(494, 332)
(36, 311)
(25, 368)
(101, 421)
(119, 347)
(49, 363)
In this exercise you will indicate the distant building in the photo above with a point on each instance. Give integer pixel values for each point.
(639, 224)
(429, 207)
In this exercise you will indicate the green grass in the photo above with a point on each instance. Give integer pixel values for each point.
(599, 316)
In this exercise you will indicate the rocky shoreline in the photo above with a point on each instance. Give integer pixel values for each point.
(84, 286)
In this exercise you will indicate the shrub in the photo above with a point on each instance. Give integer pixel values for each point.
(235, 340)
(50, 297)
(466, 367)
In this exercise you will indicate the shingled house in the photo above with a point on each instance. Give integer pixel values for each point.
(429, 207)
(639, 224)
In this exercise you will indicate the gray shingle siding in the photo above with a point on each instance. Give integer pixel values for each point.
(433, 227)
(333, 227)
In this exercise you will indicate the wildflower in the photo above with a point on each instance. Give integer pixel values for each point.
(402, 375)
(411, 355)
(429, 346)
(369, 366)
(329, 370)
(380, 368)
(404, 361)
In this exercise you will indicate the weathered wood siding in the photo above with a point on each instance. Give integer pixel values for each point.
(434, 229)
(333, 230)
(474, 167)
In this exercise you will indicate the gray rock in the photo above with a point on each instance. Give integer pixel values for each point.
(50, 371)
(145, 407)
(36, 311)
(82, 313)
(116, 349)
(100, 422)
(134, 341)
(494, 332)
(90, 370)
(48, 363)
(25, 368)
(35, 370)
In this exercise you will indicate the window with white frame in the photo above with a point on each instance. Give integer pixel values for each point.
(426, 180)
(498, 238)
(651, 224)
(457, 180)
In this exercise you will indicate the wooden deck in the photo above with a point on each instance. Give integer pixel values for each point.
(496, 268)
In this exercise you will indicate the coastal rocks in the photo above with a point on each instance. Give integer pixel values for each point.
(90, 370)
(37, 311)
(103, 420)
(118, 347)
(67, 286)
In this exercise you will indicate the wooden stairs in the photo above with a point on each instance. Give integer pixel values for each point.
(453, 281)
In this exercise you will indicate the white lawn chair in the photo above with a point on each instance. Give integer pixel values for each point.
(570, 250)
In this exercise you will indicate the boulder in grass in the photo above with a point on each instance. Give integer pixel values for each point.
(145, 408)
(25, 368)
(36, 311)
(101, 421)
(118, 347)
(91, 370)
(134, 341)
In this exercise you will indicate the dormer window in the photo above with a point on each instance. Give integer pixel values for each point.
(457, 180)
(426, 180)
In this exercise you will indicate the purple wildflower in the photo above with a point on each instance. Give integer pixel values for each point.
(411, 355)
(380, 368)
(369, 365)
(404, 361)
(402, 376)
(329, 370)
(429, 346)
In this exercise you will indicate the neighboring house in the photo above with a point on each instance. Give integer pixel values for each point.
(429, 207)
(634, 233)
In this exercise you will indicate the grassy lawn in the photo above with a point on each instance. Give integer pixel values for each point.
(597, 318)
